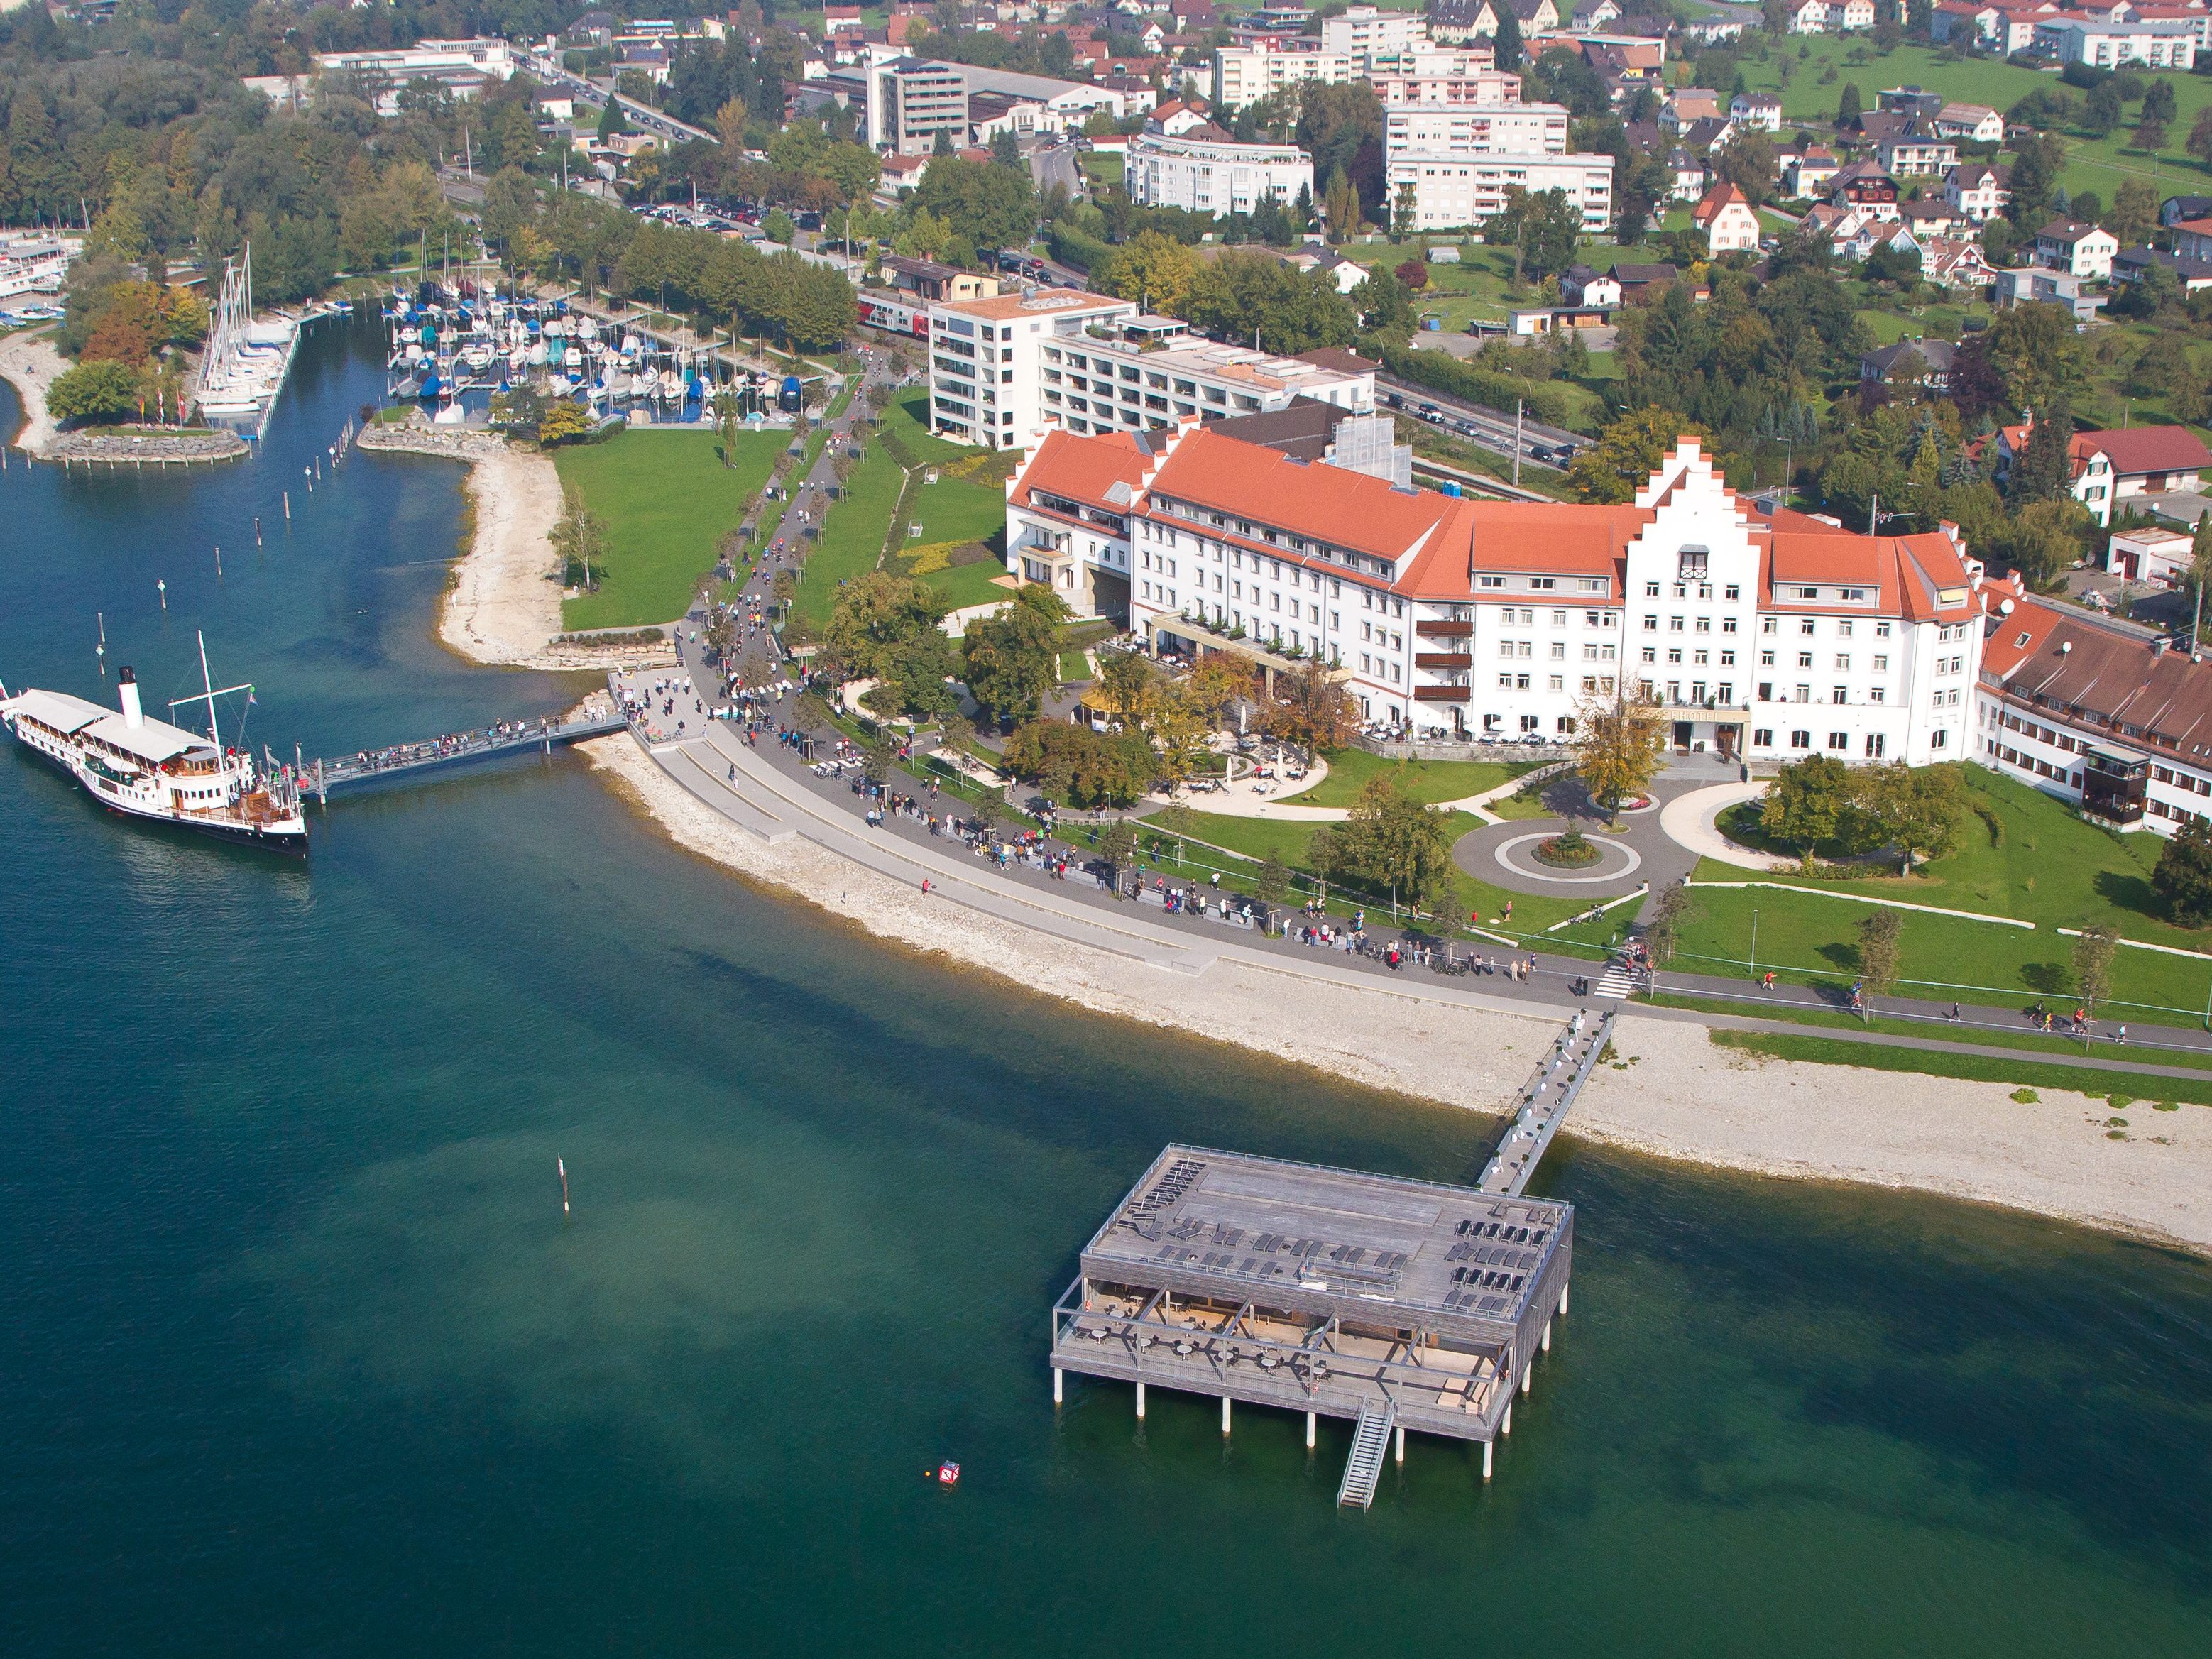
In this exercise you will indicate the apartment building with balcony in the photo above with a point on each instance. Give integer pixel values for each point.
(1455, 191)
(1507, 128)
(1770, 634)
(1006, 371)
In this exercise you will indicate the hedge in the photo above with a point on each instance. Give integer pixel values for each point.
(1548, 402)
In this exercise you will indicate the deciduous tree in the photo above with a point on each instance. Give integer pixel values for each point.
(2183, 875)
(1618, 742)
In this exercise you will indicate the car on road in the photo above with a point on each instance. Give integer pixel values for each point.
(1432, 414)
(1543, 452)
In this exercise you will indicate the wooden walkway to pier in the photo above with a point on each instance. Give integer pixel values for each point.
(411, 760)
(1545, 1101)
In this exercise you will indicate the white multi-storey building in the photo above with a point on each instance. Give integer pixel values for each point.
(1513, 128)
(1442, 77)
(1363, 30)
(1771, 636)
(2116, 46)
(984, 356)
(1454, 192)
(1204, 170)
(1244, 74)
(1005, 372)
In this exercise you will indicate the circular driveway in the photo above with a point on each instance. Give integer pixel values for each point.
(1616, 859)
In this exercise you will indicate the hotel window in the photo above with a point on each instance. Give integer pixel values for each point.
(1804, 660)
(1805, 628)
(1768, 625)
(1651, 624)
(1559, 683)
(1762, 736)
(1675, 624)
(1732, 592)
(1881, 665)
(1801, 739)
(1842, 630)
(1843, 662)
(1651, 589)
(1839, 740)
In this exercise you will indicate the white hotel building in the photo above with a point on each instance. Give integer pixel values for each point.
(1768, 636)
(1006, 371)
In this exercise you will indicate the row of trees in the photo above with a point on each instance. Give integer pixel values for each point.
(1819, 804)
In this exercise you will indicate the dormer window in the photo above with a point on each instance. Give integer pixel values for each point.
(1692, 566)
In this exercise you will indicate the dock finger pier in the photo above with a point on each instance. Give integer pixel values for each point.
(1397, 1305)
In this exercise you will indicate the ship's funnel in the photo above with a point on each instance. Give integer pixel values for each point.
(127, 684)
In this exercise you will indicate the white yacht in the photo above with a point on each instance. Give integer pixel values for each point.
(148, 768)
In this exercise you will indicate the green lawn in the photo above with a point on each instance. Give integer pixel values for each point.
(957, 510)
(2059, 1049)
(1350, 770)
(852, 538)
(1103, 167)
(2049, 868)
(1074, 667)
(668, 500)
(1259, 838)
(907, 420)
(2120, 1089)
(963, 585)
(2098, 164)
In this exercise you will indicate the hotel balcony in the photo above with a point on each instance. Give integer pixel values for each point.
(1443, 693)
(1462, 660)
(1437, 629)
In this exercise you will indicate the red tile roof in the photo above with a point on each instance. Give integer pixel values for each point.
(1344, 509)
(1085, 468)
(2150, 449)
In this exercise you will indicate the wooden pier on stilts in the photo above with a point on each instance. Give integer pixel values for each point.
(1394, 1303)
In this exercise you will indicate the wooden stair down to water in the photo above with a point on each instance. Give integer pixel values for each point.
(1368, 1444)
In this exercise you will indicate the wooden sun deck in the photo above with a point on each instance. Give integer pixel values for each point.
(1321, 1291)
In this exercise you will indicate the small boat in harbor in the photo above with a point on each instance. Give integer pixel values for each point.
(150, 770)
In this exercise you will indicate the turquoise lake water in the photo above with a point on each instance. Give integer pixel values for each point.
(298, 1356)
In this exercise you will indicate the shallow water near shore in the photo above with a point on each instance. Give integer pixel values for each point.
(301, 1357)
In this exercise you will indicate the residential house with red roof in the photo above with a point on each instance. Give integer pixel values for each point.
(1727, 217)
(2111, 467)
(1766, 633)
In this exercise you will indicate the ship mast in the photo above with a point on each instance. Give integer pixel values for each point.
(210, 695)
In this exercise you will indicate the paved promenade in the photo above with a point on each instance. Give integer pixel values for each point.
(770, 793)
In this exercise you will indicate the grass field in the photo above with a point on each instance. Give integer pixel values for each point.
(2049, 868)
(667, 500)
(1350, 770)
(957, 510)
(852, 536)
(1259, 838)
(2061, 1050)
(2098, 164)
(2119, 1089)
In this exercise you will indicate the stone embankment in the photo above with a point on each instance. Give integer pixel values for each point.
(419, 437)
(141, 450)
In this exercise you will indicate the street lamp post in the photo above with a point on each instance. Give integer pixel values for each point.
(1754, 945)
